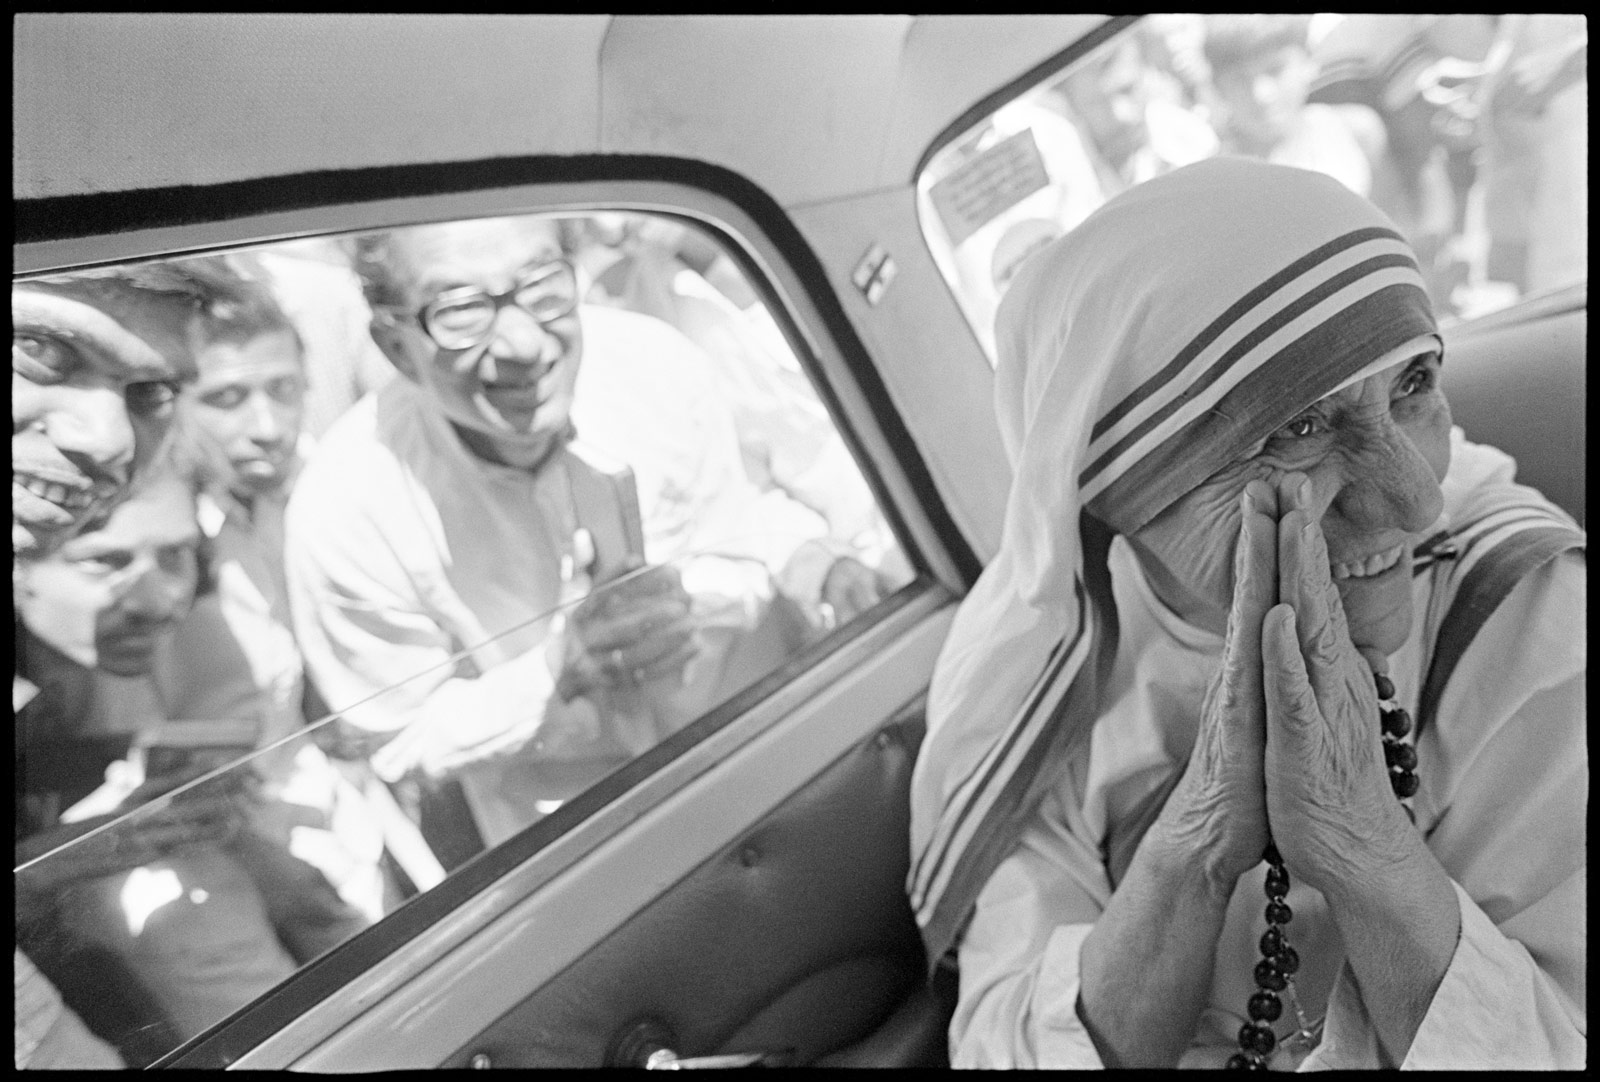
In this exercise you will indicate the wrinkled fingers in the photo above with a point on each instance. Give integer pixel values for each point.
(1305, 584)
(1255, 586)
(1256, 562)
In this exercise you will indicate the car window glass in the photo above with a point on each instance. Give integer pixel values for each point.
(401, 654)
(1469, 131)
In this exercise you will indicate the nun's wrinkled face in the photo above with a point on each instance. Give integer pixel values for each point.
(1375, 453)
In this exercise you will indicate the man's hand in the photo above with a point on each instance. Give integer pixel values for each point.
(631, 631)
(850, 588)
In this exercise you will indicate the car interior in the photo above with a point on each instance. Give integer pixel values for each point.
(733, 894)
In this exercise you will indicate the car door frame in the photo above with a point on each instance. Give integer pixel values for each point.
(424, 971)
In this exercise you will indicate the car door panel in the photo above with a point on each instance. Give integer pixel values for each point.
(435, 993)
(788, 937)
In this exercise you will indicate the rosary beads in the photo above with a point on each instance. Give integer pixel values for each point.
(1275, 972)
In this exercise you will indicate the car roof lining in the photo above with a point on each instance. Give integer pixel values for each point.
(809, 108)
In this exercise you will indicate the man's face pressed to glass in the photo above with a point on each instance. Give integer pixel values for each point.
(510, 393)
(94, 374)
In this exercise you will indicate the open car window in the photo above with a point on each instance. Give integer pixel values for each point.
(1469, 131)
(473, 651)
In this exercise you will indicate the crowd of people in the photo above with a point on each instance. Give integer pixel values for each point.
(559, 496)
(1468, 131)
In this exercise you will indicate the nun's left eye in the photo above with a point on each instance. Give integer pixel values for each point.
(1300, 428)
(1418, 379)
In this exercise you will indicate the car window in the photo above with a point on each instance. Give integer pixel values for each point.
(1469, 131)
(401, 646)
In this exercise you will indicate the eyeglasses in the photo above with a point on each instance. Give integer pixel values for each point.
(462, 318)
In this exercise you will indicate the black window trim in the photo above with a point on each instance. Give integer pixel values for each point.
(991, 103)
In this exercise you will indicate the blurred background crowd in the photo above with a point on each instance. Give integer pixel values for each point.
(1469, 131)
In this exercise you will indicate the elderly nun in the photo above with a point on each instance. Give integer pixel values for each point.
(1260, 743)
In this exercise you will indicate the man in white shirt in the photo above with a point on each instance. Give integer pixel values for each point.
(452, 513)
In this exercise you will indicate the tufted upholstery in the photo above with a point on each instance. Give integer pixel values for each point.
(798, 935)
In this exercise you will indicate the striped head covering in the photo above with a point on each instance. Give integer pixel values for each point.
(1174, 328)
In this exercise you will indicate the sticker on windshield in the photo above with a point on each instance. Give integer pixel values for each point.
(989, 185)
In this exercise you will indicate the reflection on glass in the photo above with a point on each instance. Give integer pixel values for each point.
(480, 632)
(1469, 131)
(205, 878)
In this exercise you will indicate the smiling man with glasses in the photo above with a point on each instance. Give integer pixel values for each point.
(494, 337)
(535, 451)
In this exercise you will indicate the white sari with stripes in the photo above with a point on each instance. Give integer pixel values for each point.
(1502, 804)
(1157, 342)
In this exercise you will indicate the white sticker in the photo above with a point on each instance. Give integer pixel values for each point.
(989, 185)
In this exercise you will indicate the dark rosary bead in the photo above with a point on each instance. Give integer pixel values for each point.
(1286, 960)
(1265, 1007)
(1279, 912)
(1396, 722)
(1271, 942)
(1245, 1061)
(1404, 785)
(1277, 884)
(1400, 756)
(1268, 977)
(1385, 685)
(1257, 1037)
(1270, 854)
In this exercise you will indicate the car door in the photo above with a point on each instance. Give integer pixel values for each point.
(737, 885)
(735, 789)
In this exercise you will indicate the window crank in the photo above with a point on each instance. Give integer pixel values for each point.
(665, 1059)
(648, 1043)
